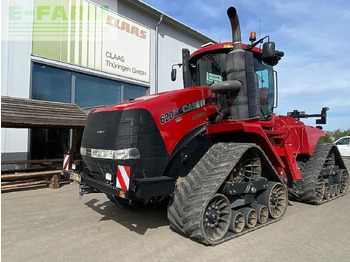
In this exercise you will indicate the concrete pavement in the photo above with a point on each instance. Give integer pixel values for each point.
(58, 225)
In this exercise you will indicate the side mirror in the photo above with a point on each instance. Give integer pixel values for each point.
(268, 50)
(173, 74)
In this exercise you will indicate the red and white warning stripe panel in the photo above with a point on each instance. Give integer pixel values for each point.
(123, 177)
(66, 160)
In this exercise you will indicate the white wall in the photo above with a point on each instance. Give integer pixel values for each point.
(170, 52)
(171, 42)
(16, 58)
(16, 47)
(15, 67)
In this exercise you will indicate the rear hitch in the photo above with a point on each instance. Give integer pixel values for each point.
(84, 189)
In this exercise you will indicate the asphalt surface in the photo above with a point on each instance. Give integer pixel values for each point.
(58, 225)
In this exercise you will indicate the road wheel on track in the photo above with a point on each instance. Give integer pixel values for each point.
(342, 179)
(320, 188)
(251, 216)
(337, 193)
(237, 222)
(216, 218)
(327, 193)
(333, 190)
(275, 197)
(262, 211)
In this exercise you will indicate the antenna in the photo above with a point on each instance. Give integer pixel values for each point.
(260, 30)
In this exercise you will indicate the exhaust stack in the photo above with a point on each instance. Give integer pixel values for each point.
(244, 103)
(240, 88)
(235, 27)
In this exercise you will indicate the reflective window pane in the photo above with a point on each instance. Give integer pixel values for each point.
(46, 143)
(132, 91)
(51, 84)
(94, 91)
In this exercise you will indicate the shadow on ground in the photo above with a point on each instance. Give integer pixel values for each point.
(137, 221)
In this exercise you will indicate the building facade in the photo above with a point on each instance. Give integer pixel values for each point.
(91, 53)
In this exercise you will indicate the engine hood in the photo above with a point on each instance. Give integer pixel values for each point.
(175, 113)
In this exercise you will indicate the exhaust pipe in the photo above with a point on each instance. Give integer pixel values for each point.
(240, 67)
(240, 87)
(235, 27)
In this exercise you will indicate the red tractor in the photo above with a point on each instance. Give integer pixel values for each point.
(214, 151)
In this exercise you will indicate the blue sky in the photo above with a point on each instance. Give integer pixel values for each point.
(315, 36)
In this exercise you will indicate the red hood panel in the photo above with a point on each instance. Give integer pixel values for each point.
(175, 112)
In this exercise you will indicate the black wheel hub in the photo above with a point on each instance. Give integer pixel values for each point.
(274, 200)
(213, 216)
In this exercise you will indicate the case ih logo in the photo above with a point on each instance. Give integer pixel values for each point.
(168, 116)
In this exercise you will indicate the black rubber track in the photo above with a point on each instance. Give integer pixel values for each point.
(293, 191)
(311, 170)
(199, 186)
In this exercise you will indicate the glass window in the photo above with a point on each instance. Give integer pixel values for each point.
(51, 84)
(264, 76)
(210, 68)
(95, 91)
(344, 141)
(132, 91)
(46, 143)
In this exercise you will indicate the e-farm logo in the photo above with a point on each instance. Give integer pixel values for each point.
(51, 19)
(56, 13)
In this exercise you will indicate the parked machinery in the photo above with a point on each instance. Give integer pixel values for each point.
(215, 151)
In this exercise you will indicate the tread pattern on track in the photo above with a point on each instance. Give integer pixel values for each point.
(311, 171)
(200, 185)
(293, 190)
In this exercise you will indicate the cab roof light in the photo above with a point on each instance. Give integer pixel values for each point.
(252, 36)
(207, 44)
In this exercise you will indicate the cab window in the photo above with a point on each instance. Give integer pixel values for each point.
(264, 76)
(210, 68)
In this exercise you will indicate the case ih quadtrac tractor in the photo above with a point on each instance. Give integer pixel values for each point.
(213, 150)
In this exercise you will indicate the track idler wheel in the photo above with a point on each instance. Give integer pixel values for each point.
(275, 198)
(237, 222)
(216, 218)
(262, 211)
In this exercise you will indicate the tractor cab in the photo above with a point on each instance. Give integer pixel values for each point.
(207, 67)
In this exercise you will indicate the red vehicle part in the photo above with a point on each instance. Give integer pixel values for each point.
(175, 113)
(216, 149)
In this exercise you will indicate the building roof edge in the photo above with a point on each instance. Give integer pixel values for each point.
(169, 19)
